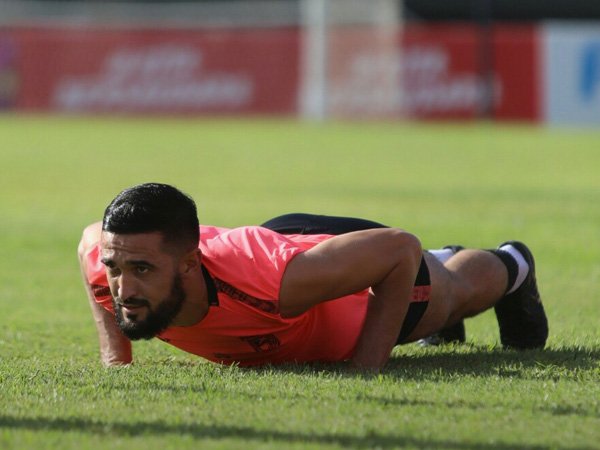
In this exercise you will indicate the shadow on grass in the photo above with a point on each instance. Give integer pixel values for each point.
(481, 361)
(447, 364)
(217, 432)
(477, 361)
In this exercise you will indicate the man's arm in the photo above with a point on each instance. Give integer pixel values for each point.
(385, 260)
(115, 348)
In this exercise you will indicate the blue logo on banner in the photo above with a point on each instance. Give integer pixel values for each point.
(590, 71)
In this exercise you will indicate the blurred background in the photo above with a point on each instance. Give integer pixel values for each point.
(505, 60)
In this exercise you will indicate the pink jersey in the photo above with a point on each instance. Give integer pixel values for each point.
(244, 267)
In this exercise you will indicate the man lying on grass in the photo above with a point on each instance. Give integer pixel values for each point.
(253, 296)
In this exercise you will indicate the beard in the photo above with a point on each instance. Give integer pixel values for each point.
(157, 318)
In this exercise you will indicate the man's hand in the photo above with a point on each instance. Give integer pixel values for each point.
(385, 260)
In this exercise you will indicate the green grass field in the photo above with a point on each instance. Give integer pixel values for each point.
(475, 185)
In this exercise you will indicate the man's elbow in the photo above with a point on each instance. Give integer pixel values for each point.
(89, 237)
(407, 247)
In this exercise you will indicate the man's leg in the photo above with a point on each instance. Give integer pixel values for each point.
(476, 280)
(464, 284)
(471, 281)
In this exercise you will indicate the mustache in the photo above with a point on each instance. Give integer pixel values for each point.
(132, 302)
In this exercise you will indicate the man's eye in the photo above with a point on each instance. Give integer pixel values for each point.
(142, 269)
(113, 271)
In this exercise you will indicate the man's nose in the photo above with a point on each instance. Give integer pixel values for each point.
(126, 287)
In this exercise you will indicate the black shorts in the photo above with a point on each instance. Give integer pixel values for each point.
(300, 223)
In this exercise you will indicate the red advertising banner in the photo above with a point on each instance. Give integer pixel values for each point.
(447, 71)
(440, 74)
(364, 68)
(517, 61)
(158, 71)
(420, 71)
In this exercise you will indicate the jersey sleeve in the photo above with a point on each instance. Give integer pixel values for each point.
(251, 259)
(96, 277)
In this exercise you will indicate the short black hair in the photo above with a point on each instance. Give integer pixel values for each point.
(154, 207)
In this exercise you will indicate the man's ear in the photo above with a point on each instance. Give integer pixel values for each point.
(190, 262)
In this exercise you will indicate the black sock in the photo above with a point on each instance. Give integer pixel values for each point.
(511, 265)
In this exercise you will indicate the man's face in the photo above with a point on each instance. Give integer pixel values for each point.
(146, 287)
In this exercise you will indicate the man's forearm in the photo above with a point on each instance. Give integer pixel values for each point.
(115, 348)
(385, 314)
